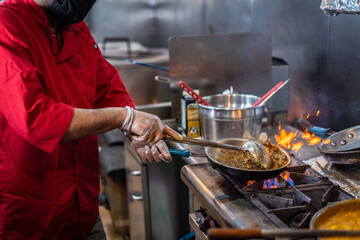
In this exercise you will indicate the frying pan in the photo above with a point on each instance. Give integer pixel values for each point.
(242, 174)
(340, 147)
(345, 140)
(239, 173)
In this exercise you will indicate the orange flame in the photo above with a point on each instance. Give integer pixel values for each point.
(290, 140)
(285, 139)
(311, 138)
(296, 146)
(250, 182)
(327, 141)
(317, 113)
(307, 116)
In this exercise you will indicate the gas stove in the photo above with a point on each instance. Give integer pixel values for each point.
(289, 201)
(223, 201)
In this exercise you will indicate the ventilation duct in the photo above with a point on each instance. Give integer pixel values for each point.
(335, 7)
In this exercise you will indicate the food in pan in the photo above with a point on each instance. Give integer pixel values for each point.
(342, 216)
(244, 159)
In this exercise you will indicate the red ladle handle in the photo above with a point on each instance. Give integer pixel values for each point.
(191, 92)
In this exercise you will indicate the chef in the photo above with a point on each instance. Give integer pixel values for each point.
(57, 93)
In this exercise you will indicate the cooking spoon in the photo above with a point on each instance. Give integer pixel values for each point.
(257, 149)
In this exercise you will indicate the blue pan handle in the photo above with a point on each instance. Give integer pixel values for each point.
(181, 153)
(319, 131)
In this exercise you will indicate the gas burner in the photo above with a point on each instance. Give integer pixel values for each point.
(293, 197)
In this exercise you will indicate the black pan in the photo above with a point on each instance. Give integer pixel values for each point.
(342, 157)
(340, 147)
(239, 173)
(345, 140)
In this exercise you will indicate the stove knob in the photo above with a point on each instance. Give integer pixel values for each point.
(343, 142)
(351, 136)
(333, 144)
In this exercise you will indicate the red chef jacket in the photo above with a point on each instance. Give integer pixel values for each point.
(48, 189)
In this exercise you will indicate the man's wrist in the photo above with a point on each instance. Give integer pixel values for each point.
(128, 121)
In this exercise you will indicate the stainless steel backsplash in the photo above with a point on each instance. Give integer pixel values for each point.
(322, 52)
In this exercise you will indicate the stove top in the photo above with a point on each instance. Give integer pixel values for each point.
(291, 199)
(235, 203)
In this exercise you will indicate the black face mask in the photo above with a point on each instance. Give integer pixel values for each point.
(70, 11)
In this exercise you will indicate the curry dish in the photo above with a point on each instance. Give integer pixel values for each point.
(244, 159)
(342, 217)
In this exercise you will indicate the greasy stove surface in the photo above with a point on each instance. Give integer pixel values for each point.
(233, 203)
(236, 204)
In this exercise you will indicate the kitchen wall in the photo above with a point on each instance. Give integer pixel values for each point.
(323, 52)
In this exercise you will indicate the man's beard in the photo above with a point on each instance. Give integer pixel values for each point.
(70, 11)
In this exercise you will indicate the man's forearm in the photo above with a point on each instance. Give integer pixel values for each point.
(87, 122)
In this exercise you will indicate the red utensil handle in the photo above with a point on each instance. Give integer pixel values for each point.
(258, 102)
(193, 94)
(233, 234)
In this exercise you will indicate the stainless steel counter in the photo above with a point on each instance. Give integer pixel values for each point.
(220, 198)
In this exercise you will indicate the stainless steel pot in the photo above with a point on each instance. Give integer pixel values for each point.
(230, 116)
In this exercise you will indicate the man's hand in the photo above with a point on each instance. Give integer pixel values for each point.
(149, 128)
(145, 132)
(151, 153)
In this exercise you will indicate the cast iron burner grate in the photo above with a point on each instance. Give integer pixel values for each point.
(290, 206)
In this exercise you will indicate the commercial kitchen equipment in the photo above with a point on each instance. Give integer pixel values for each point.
(224, 201)
(213, 63)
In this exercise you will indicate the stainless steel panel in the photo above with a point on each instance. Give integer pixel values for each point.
(140, 80)
(229, 16)
(169, 200)
(135, 19)
(180, 18)
(213, 63)
(135, 194)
